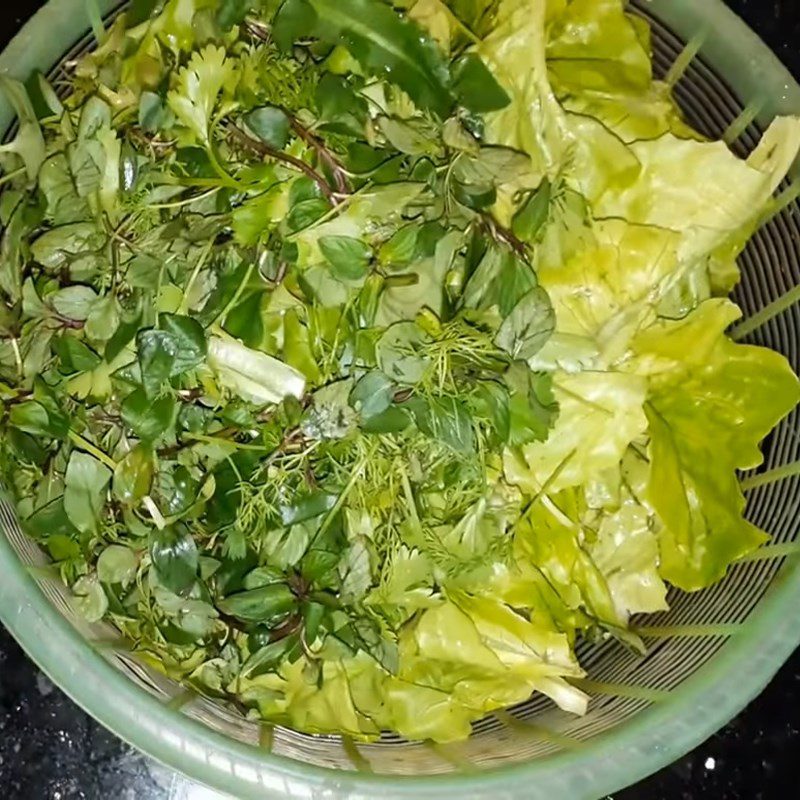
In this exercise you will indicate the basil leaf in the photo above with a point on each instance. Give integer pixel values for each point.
(414, 136)
(401, 248)
(154, 113)
(260, 605)
(157, 352)
(398, 352)
(233, 12)
(270, 124)
(533, 408)
(533, 214)
(149, 419)
(530, 324)
(306, 213)
(190, 341)
(392, 420)
(31, 417)
(74, 355)
(90, 599)
(445, 419)
(475, 86)
(177, 489)
(268, 657)
(309, 507)
(117, 564)
(493, 402)
(372, 395)
(74, 302)
(175, 558)
(387, 45)
(122, 337)
(349, 258)
(134, 475)
(476, 196)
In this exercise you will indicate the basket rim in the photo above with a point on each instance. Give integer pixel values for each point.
(641, 746)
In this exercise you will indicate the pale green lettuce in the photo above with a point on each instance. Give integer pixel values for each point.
(533, 122)
(598, 59)
(711, 404)
(601, 413)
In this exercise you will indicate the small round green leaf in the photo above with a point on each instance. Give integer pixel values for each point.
(271, 125)
(117, 564)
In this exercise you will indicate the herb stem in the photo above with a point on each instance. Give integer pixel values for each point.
(225, 177)
(157, 516)
(410, 501)
(201, 261)
(504, 235)
(771, 476)
(92, 450)
(202, 437)
(220, 318)
(265, 151)
(188, 200)
(341, 499)
(9, 176)
(337, 171)
(17, 358)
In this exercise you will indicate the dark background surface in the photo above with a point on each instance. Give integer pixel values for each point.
(50, 750)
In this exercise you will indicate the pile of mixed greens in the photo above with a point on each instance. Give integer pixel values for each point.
(357, 356)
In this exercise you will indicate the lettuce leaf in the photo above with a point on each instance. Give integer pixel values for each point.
(550, 538)
(488, 656)
(701, 189)
(515, 53)
(595, 45)
(625, 550)
(466, 656)
(601, 414)
(598, 60)
(607, 292)
(707, 416)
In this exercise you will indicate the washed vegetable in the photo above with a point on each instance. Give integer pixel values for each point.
(357, 358)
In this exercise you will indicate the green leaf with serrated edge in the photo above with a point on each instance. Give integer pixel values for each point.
(189, 338)
(157, 352)
(528, 326)
(349, 258)
(148, 419)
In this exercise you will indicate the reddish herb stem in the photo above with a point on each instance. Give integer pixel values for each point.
(329, 159)
(265, 151)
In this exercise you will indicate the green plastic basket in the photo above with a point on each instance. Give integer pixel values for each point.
(708, 656)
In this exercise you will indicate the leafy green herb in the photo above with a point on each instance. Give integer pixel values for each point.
(356, 360)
